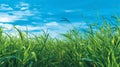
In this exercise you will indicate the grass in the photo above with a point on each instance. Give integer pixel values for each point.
(94, 48)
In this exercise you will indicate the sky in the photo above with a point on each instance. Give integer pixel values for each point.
(38, 15)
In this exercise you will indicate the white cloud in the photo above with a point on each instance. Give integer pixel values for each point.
(53, 27)
(58, 28)
(22, 13)
(12, 16)
(29, 27)
(80, 24)
(34, 22)
(52, 24)
(22, 28)
(8, 18)
(16, 15)
(22, 6)
(6, 26)
(5, 7)
(69, 10)
(49, 13)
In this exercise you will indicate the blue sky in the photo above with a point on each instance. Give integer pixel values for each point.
(39, 15)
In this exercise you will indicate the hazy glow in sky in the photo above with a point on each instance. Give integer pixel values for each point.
(39, 15)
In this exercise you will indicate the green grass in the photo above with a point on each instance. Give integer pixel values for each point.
(94, 48)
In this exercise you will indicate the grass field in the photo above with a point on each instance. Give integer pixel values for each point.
(91, 48)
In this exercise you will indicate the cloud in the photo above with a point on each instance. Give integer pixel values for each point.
(34, 22)
(22, 6)
(6, 26)
(22, 13)
(5, 7)
(8, 18)
(82, 25)
(52, 24)
(22, 28)
(12, 16)
(69, 10)
(50, 13)
(62, 27)
(53, 27)
(29, 27)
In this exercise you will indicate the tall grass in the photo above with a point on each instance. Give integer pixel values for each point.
(95, 48)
